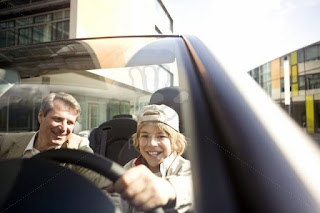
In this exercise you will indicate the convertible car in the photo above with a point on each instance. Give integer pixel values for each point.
(247, 154)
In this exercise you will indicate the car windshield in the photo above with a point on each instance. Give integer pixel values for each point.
(108, 76)
(228, 131)
(231, 148)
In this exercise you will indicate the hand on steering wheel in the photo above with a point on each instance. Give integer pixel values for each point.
(97, 163)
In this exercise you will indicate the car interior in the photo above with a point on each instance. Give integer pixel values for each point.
(246, 154)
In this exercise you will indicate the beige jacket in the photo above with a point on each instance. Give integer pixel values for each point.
(13, 145)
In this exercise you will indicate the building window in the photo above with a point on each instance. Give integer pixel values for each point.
(302, 82)
(265, 77)
(24, 22)
(301, 56)
(43, 18)
(4, 4)
(116, 107)
(25, 36)
(313, 81)
(255, 74)
(313, 53)
(34, 29)
(7, 37)
(42, 33)
(93, 111)
(61, 30)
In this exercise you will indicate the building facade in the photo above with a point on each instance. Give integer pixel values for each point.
(303, 103)
(32, 22)
(25, 22)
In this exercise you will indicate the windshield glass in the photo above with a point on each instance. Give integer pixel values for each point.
(108, 76)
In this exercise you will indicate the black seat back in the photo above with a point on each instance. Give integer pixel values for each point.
(112, 139)
(171, 97)
(98, 140)
(127, 153)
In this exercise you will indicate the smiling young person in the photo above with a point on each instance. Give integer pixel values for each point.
(160, 176)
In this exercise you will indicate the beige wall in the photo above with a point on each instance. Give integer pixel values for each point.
(275, 73)
(98, 18)
(275, 79)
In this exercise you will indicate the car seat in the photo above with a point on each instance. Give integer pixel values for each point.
(112, 139)
(170, 96)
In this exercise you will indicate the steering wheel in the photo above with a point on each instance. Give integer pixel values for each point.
(97, 163)
(34, 186)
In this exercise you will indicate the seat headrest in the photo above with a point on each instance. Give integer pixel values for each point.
(122, 116)
(171, 97)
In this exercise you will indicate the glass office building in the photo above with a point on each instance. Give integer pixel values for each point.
(304, 81)
(26, 22)
(29, 22)
(32, 25)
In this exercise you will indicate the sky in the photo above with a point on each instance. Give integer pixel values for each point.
(244, 34)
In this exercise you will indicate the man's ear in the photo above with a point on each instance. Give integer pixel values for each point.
(40, 116)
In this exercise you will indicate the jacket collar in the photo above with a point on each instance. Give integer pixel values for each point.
(19, 145)
(164, 166)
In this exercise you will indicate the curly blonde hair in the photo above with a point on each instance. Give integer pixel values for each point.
(178, 140)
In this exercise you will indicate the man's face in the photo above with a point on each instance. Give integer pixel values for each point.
(57, 126)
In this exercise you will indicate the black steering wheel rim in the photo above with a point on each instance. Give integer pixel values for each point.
(97, 163)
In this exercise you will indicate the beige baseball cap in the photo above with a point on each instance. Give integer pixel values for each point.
(159, 113)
